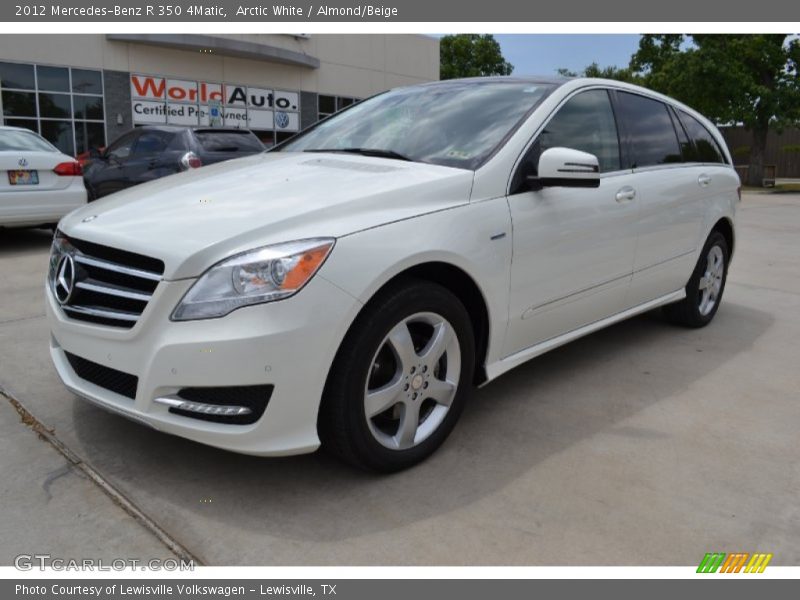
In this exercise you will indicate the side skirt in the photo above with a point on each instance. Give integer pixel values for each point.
(506, 364)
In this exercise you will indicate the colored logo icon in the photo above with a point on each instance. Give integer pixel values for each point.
(281, 120)
(737, 562)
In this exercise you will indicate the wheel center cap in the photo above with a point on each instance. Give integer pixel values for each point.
(416, 383)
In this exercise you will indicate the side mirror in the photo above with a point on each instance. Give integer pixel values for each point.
(565, 167)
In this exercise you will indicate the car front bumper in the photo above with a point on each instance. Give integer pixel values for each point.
(289, 344)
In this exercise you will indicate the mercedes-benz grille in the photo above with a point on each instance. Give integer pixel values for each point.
(100, 284)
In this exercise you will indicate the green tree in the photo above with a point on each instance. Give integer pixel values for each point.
(595, 70)
(748, 79)
(471, 55)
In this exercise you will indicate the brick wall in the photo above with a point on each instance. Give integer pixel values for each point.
(308, 109)
(117, 89)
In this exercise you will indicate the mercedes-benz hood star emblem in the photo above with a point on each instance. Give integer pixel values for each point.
(64, 280)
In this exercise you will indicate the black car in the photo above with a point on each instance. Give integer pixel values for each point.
(154, 151)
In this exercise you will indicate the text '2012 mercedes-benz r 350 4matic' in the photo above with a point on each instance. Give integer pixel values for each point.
(351, 286)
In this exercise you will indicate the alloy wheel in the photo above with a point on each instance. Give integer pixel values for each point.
(710, 284)
(412, 381)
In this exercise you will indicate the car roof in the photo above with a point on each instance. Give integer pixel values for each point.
(498, 79)
(573, 83)
(177, 128)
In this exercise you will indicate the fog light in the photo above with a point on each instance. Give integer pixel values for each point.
(201, 407)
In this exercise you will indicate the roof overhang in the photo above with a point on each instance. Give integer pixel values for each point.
(221, 47)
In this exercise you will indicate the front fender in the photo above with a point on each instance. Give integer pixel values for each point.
(363, 262)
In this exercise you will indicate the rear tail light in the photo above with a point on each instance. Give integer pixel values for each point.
(190, 160)
(68, 169)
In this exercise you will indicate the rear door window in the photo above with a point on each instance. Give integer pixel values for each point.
(706, 149)
(228, 141)
(152, 142)
(650, 134)
(121, 148)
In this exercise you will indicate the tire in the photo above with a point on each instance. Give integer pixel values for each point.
(378, 431)
(705, 287)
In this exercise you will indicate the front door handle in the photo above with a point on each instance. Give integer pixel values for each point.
(704, 180)
(626, 194)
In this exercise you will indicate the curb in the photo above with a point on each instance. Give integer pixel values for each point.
(118, 497)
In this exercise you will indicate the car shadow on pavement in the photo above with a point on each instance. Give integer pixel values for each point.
(22, 241)
(528, 415)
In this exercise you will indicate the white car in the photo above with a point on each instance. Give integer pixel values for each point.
(349, 287)
(41, 184)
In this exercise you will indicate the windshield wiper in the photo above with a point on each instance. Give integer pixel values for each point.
(380, 153)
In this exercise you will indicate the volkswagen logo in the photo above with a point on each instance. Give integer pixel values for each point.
(281, 120)
(64, 279)
(22, 162)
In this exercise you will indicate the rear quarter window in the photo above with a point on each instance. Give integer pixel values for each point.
(228, 141)
(706, 149)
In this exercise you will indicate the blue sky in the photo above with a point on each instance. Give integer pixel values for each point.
(542, 54)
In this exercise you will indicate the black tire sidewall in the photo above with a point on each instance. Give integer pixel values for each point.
(353, 362)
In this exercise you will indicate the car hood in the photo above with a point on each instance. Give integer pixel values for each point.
(194, 219)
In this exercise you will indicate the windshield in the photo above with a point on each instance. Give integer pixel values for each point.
(457, 124)
(18, 140)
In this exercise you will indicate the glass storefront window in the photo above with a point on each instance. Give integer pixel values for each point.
(89, 135)
(31, 124)
(64, 105)
(19, 104)
(88, 107)
(56, 106)
(59, 133)
(86, 82)
(16, 76)
(52, 79)
(327, 105)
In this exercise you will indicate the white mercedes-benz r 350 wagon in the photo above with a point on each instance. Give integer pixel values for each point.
(349, 287)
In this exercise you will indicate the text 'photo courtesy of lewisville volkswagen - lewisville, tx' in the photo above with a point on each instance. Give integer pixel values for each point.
(397, 299)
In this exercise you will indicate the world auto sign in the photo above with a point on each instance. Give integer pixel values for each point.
(160, 100)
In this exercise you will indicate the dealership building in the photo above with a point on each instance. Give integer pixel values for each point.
(82, 91)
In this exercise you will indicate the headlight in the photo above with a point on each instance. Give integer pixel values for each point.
(253, 277)
(59, 247)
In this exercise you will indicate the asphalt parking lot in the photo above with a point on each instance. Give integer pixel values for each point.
(644, 444)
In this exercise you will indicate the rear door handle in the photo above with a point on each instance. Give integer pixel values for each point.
(626, 194)
(703, 180)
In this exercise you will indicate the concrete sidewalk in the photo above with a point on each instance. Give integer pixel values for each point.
(644, 444)
(51, 507)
